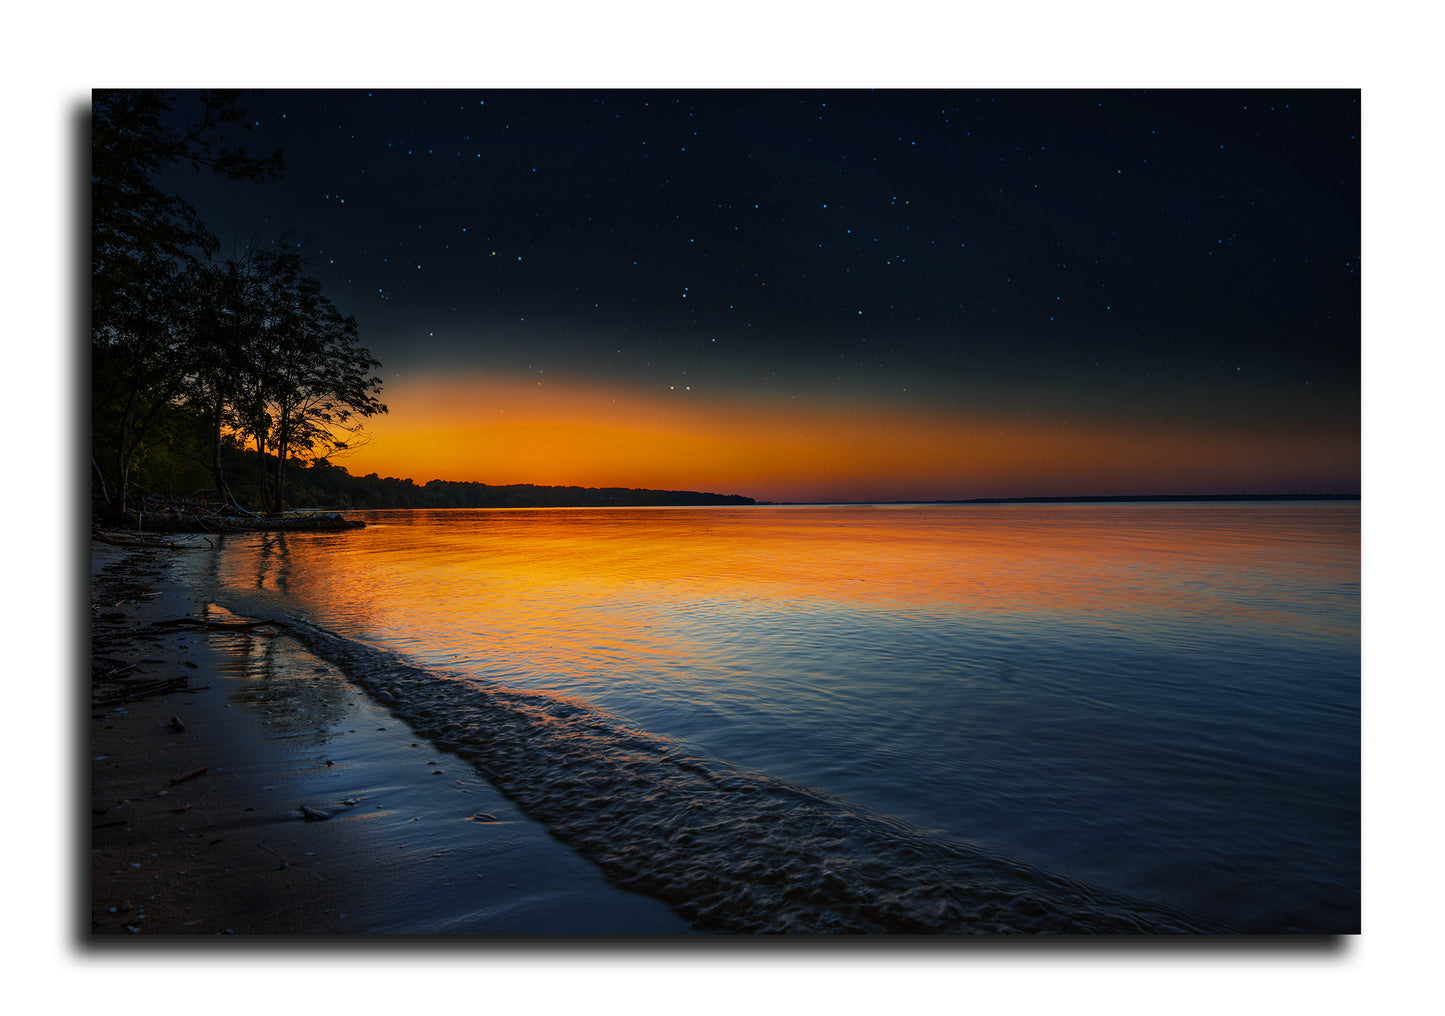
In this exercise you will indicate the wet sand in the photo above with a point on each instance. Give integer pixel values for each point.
(197, 797)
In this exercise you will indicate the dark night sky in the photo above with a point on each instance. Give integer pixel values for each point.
(1147, 262)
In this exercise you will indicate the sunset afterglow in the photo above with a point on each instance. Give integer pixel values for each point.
(511, 430)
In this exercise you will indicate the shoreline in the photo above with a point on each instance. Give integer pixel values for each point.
(322, 731)
(197, 791)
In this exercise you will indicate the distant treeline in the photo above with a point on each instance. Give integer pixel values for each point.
(326, 485)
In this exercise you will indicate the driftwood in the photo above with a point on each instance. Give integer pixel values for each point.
(124, 538)
(320, 522)
(196, 622)
(134, 691)
(147, 529)
(156, 515)
(119, 690)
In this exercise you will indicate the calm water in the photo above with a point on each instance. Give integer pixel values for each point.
(1160, 700)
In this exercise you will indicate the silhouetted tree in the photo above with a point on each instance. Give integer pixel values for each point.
(275, 363)
(249, 346)
(322, 384)
(227, 315)
(312, 381)
(144, 242)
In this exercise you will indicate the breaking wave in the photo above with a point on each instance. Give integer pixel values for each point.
(730, 850)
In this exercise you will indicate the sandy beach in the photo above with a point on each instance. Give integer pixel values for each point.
(240, 785)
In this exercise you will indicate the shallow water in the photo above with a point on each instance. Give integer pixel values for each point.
(1158, 700)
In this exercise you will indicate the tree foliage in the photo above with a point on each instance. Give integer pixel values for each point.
(141, 236)
(246, 348)
(277, 364)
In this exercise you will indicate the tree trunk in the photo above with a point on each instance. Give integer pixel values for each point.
(223, 494)
(100, 478)
(283, 443)
(265, 477)
(122, 457)
(123, 480)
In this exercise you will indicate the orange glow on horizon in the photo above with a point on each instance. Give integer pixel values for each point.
(503, 431)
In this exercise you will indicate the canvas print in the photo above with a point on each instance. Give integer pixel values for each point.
(725, 512)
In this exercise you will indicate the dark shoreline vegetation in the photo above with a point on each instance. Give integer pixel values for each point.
(323, 485)
(329, 490)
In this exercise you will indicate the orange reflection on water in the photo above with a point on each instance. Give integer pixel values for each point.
(567, 588)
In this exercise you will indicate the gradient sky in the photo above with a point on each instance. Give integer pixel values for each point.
(847, 295)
